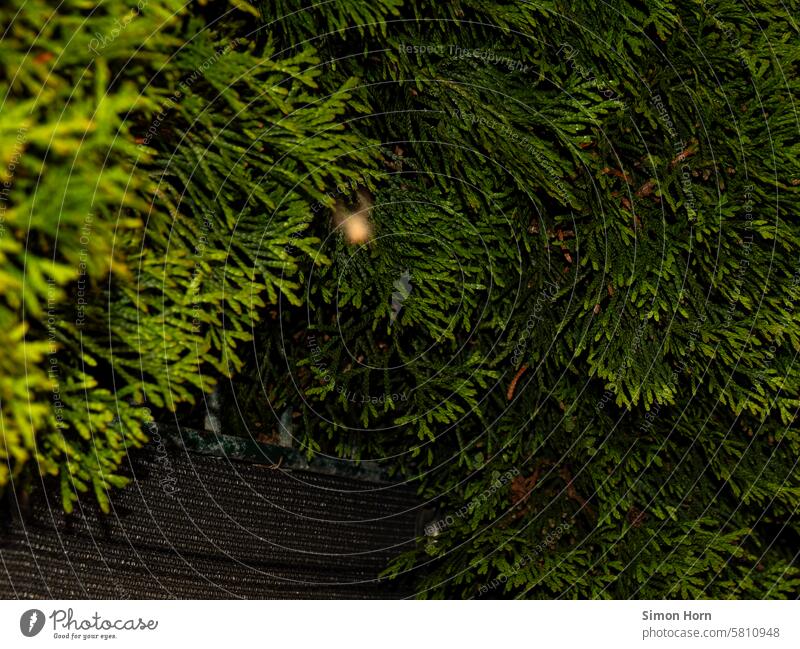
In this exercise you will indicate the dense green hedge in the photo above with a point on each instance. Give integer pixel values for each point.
(603, 197)
(573, 327)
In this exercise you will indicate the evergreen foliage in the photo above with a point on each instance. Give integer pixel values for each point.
(600, 196)
(574, 328)
(164, 163)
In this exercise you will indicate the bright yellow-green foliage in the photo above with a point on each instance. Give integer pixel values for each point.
(155, 167)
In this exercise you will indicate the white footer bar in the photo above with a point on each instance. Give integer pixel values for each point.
(400, 625)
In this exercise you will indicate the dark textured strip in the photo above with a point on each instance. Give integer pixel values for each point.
(215, 528)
